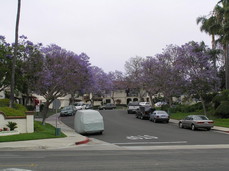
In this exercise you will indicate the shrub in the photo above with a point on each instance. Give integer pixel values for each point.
(12, 125)
(224, 96)
(223, 110)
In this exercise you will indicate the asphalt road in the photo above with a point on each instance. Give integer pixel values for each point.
(174, 160)
(125, 130)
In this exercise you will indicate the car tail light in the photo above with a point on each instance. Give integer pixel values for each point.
(211, 122)
(199, 122)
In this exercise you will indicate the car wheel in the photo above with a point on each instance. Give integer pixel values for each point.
(181, 125)
(208, 129)
(150, 119)
(193, 127)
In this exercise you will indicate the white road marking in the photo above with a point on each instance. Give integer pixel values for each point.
(141, 137)
(134, 143)
(177, 147)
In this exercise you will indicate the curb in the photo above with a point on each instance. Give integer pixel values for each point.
(82, 142)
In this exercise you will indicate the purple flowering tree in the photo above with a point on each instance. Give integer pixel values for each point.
(84, 76)
(59, 75)
(133, 69)
(194, 62)
(118, 82)
(160, 76)
(100, 83)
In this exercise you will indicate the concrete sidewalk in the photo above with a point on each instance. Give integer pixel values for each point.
(70, 141)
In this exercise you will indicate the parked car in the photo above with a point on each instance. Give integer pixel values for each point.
(79, 105)
(88, 122)
(107, 106)
(144, 112)
(159, 115)
(195, 122)
(68, 111)
(144, 103)
(159, 104)
(133, 107)
(88, 106)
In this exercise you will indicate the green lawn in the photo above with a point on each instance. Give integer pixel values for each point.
(41, 132)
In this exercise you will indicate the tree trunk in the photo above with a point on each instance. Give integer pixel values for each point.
(227, 66)
(15, 56)
(45, 111)
(151, 99)
(203, 104)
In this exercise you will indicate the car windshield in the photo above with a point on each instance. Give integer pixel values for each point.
(67, 108)
(161, 112)
(200, 118)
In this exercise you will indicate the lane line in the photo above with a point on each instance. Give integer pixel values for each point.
(135, 143)
(177, 147)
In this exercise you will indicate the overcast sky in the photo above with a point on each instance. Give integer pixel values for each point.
(108, 31)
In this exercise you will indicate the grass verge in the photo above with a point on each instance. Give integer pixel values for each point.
(40, 132)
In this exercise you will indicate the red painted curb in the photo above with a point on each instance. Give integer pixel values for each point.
(82, 142)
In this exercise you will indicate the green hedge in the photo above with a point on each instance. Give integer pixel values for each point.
(223, 110)
(17, 110)
(183, 108)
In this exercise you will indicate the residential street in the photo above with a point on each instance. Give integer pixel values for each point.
(125, 130)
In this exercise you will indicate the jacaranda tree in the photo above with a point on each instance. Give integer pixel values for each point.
(60, 71)
(194, 62)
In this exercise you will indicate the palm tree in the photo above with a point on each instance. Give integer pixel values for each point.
(15, 55)
(221, 11)
(211, 26)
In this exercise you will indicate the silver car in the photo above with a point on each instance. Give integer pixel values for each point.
(159, 115)
(196, 121)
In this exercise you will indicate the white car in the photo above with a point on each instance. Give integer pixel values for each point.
(159, 104)
(132, 107)
(80, 105)
(144, 103)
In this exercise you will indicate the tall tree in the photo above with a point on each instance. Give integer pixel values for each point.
(196, 68)
(221, 11)
(58, 75)
(133, 69)
(15, 54)
(100, 83)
